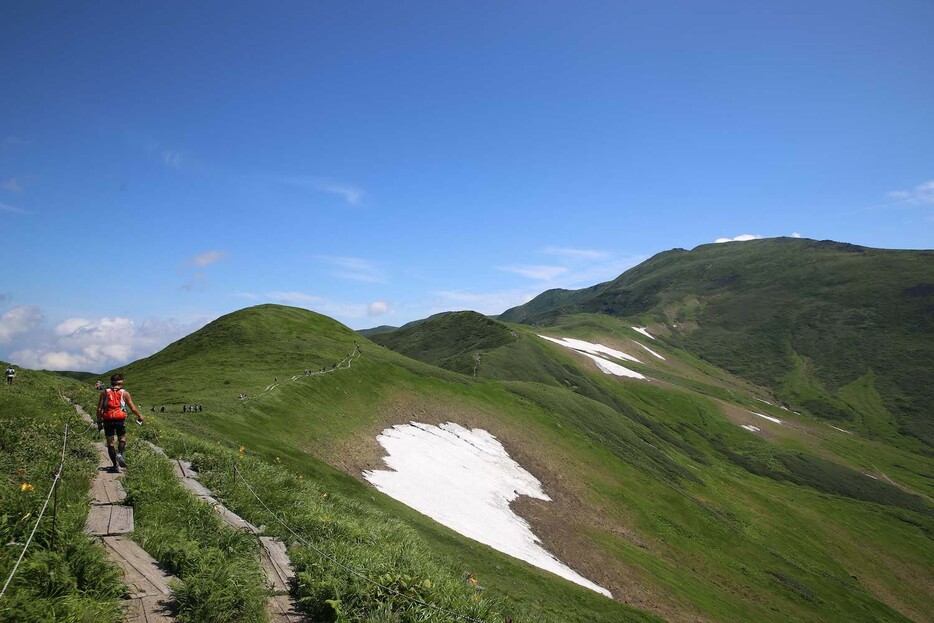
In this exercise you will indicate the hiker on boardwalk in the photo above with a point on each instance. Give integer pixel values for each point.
(111, 417)
(10, 375)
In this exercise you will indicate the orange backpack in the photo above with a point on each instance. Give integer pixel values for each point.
(114, 407)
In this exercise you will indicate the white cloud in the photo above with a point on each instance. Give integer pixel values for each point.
(377, 308)
(14, 184)
(796, 235)
(741, 238)
(921, 194)
(5, 207)
(172, 158)
(576, 254)
(542, 273)
(207, 258)
(355, 269)
(19, 320)
(94, 344)
(349, 193)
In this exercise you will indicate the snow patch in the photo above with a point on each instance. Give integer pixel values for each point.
(765, 401)
(590, 350)
(608, 367)
(650, 350)
(465, 480)
(644, 332)
(590, 347)
(768, 417)
(750, 427)
(840, 429)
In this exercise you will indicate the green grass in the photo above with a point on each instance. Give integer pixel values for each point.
(686, 529)
(220, 576)
(65, 575)
(753, 308)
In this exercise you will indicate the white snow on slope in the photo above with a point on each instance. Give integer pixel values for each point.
(644, 332)
(590, 347)
(768, 417)
(840, 429)
(650, 350)
(465, 480)
(608, 367)
(750, 427)
(588, 350)
(765, 401)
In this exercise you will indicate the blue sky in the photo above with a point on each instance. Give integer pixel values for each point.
(377, 162)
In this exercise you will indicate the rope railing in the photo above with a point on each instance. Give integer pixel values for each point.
(347, 568)
(22, 554)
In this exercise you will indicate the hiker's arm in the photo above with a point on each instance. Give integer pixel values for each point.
(129, 401)
(100, 406)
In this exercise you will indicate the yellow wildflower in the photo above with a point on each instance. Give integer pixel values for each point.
(242, 448)
(27, 487)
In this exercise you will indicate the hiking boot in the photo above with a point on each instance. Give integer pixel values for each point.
(113, 469)
(120, 461)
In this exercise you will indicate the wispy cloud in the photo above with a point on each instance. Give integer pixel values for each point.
(487, 303)
(5, 207)
(207, 258)
(15, 184)
(320, 304)
(351, 194)
(377, 308)
(796, 235)
(576, 254)
(541, 273)
(198, 282)
(355, 269)
(19, 320)
(921, 194)
(172, 158)
(12, 141)
(740, 238)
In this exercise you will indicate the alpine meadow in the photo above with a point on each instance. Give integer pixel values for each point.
(740, 432)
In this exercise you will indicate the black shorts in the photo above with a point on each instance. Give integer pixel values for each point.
(115, 427)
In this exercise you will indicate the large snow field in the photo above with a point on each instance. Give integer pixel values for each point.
(465, 480)
(590, 347)
(593, 351)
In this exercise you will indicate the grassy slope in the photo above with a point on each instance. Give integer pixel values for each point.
(70, 580)
(805, 318)
(649, 480)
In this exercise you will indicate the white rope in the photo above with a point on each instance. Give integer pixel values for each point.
(350, 569)
(58, 475)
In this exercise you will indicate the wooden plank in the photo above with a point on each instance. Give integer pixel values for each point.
(154, 447)
(141, 572)
(234, 520)
(109, 519)
(281, 609)
(107, 489)
(197, 488)
(276, 563)
(121, 519)
(187, 470)
(149, 610)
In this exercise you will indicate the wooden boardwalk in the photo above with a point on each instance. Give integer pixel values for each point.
(150, 600)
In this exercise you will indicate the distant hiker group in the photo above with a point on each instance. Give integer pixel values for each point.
(192, 408)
